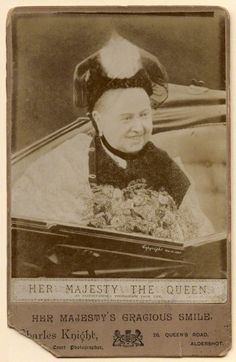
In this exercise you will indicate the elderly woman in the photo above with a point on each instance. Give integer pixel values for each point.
(119, 85)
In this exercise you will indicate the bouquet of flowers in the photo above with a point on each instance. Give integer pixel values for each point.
(139, 209)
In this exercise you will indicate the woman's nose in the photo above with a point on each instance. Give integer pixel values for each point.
(138, 125)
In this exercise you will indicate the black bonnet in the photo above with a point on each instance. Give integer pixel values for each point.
(119, 64)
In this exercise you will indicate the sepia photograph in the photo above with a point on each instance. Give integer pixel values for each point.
(119, 144)
(119, 180)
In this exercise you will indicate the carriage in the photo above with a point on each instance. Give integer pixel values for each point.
(192, 127)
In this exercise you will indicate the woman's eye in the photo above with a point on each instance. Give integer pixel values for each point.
(126, 118)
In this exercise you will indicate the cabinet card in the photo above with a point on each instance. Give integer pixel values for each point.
(118, 180)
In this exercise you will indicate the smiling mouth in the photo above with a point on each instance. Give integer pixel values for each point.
(135, 137)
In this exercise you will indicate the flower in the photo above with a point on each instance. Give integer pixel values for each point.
(139, 209)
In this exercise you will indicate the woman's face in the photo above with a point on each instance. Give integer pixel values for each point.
(124, 117)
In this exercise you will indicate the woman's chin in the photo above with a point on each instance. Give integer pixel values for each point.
(134, 148)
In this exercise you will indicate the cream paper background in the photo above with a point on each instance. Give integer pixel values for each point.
(13, 346)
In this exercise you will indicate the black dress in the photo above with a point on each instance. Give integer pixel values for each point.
(151, 163)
